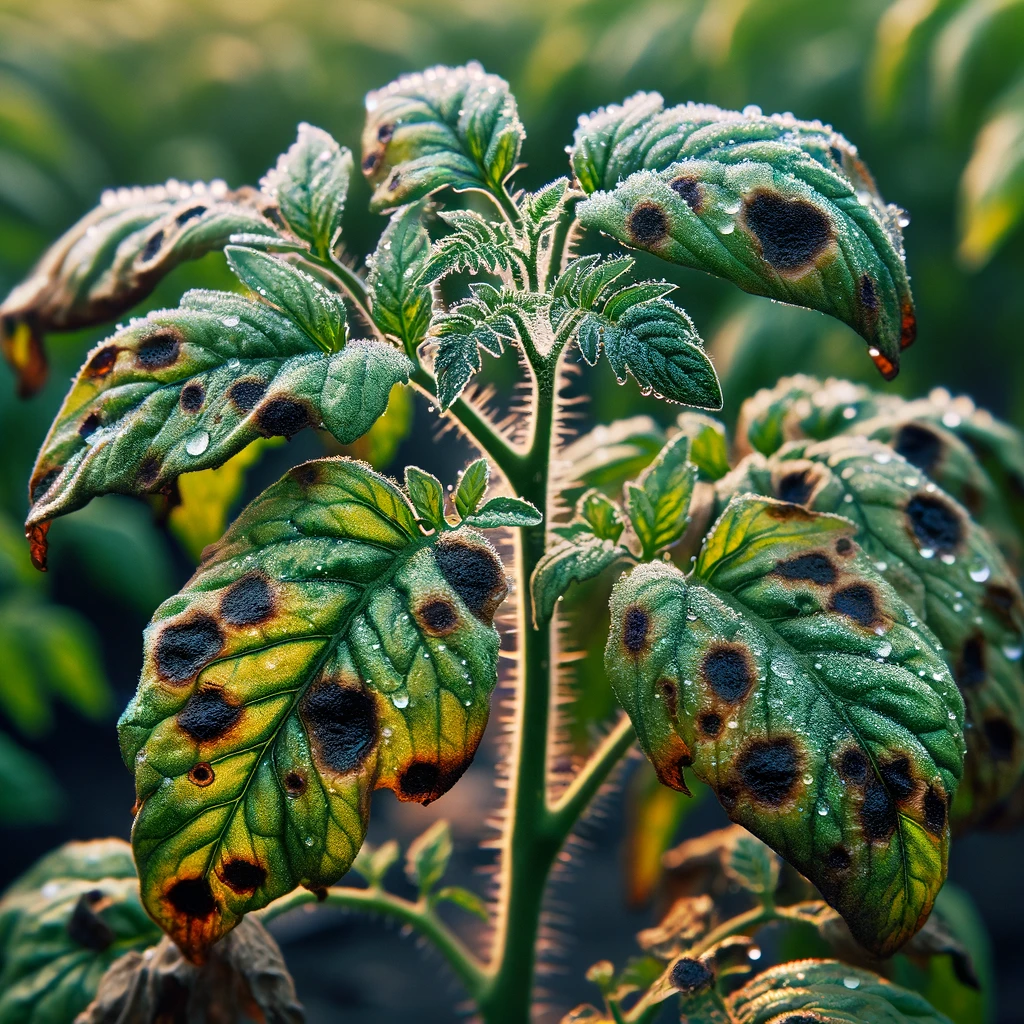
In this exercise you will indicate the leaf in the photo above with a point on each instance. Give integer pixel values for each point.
(843, 757)
(950, 573)
(833, 992)
(187, 388)
(400, 296)
(315, 655)
(427, 496)
(659, 502)
(472, 487)
(503, 511)
(428, 856)
(610, 454)
(709, 449)
(22, 773)
(566, 562)
(753, 866)
(542, 208)
(475, 245)
(296, 293)
(688, 920)
(465, 900)
(380, 445)
(373, 863)
(114, 257)
(309, 185)
(444, 126)
(602, 515)
(63, 924)
(780, 207)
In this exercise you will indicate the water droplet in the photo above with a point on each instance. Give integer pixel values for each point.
(823, 809)
(198, 443)
(233, 364)
(881, 566)
(981, 573)
(754, 953)
(927, 553)
(385, 732)
(885, 650)
(1013, 651)
(851, 982)
(849, 412)
(727, 229)
(733, 725)
(308, 840)
(882, 458)
(951, 420)
(230, 321)
(808, 779)
(400, 700)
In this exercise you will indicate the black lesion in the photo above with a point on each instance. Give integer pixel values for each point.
(192, 213)
(243, 876)
(691, 976)
(1001, 738)
(670, 694)
(438, 617)
(647, 224)
(853, 766)
(420, 781)
(343, 724)
(878, 815)
(919, 445)
(868, 295)
(282, 417)
(688, 189)
(245, 394)
(796, 487)
(728, 671)
(248, 601)
(768, 770)
(152, 247)
(857, 602)
(158, 351)
(813, 567)
(838, 858)
(192, 897)
(971, 669)
(710, 724)
(184, 648)
(474, 573)
(42, 483)
(192, 397)
(791, 232)
(934, 811)
(896, 775)
(90, 425)
(86, 928)
(636, 624)
(936, 525)
(208, 715)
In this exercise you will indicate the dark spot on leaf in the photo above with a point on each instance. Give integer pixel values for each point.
(320, 892)
(768, 769)
(853, 766)
(152, 247)
(635, 625)
(919, 445)
(972, 498)
(245, 394)
(935, 523)
(801, 1018)
(838, 858)
(307, 475)
(159, 351)
(896, 775)
(934, 811)
(783, 511)
(790, 232)
(207, 715)
(393, 183)
(815, 567)
(102, 362)
(438, 617)
(149, 471)
(385, 132)
(970, 667)
(691, 976)
(282, 417)
(201, 774)
(474, 573)
(370, 162)
(689, 190)
(837, 155)
(795, 487)
(190, 214)
(727, 670)
(342, 723)
(192, 397)
(1002, 602)
(1001, 737)
(192, 897)
(728, 795)
(243, 876)
(885, 366)
(710, 724)
(844, 546)
(647, 224)
(877, 812)
(295, 783)
(868, 296)
(90, 425)
(184, 648)
(248, 601)
(41, 484)
(856, 601)
(420, 781)
(86, 928)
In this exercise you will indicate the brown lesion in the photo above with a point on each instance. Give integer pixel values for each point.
(670, 760)
(308, 474)
(249, 601)
(791, 235)
(768, 771)
(473, 571)
(101, 362)
(425, 779)
(636, 627)
(282, 416)
(149, 472)
(859, 603)
(1006, 604)
(908, 324)
(798, 482)
(295, 783)
(159, 351)
(647, 224)
(670, 695)
(242, 876)
(437, 616)
(689, 190)
(201, 774)
(729, 672)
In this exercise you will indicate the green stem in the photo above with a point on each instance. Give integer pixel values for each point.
(560, 238)
(420, 915)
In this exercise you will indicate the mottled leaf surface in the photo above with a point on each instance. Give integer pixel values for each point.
(780, 207)
(325, 647)
(185, 389)
(807, 694)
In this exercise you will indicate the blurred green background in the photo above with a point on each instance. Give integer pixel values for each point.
(101, 93)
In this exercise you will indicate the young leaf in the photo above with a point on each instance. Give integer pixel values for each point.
(472, 487)
(658, 503)
(309, 185)
(185, 389)
(465, 900)
(427, 496)
(780, 207)
(304, 300)
(316, 654)
(114, 257)
(709, 449)
(503, 511)
(753, 866)
(427, 858)
(476, 245)
(810, 698)
(601, 515)
(444, 126)
(587, 279)
(373, 863)
(401, 297)
(566, 562)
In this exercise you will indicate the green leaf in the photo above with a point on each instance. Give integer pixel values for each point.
(445, 126)
(427, 858)
(831, 992)
(309, 185)
(21, 774)
(753, 865)
(427, 496)
(566, 562)
(472, 487)
(185, 389)
(296, 293)
(475, 245)
(114, 257)
(809, 697)
(587, 279)
(542, 208)
(63, 924)
(709, 449)
(504, 511)
(780, 207)
(316, 654)
(465, 900)
(659, 502)
(601, 515)
(400, 296)
(373, 863)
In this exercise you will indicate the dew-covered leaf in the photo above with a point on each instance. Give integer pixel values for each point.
(476, 245)
(427, 496)
(114, 257)
(780, 207)
(566, 562)
(659, 501)
(807, 694)
(601, 514)
(185, 389)
(324, 647)
(444, 126)
(427, 858)
(464, 899)
(309, 185)
(504, 511)
(472, 487)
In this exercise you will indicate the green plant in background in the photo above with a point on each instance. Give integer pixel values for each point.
(824, 629)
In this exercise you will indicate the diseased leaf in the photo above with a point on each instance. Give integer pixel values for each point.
(316, 654)
(427, 496)
(780, 207)
(427, 858)
(465, 899)
(114, 257)
(503, 511)
(566, 562)
(309, 185)
(187, 388)
(812, 700)
(688, 920)
(472, 487)
(444, 126)
(659, 502)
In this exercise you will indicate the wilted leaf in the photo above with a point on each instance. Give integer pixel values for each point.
(780, 207)
(790, 676)
(444, 126)
(688, 920)
(316, 654)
